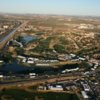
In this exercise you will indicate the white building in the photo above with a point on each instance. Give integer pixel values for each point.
(72, 55)
(22, 58)
(42, 88)
(1, 76)
(30, 61)
(42, 64)
(82, 59)
(55, 88)
(70, 70)
(32, 75)
(85, 96)
(1, 61)
(5, 26)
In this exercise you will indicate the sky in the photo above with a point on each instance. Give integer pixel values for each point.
(65, 7)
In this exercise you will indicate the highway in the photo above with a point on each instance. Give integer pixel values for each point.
(40, 79)
(6, 38)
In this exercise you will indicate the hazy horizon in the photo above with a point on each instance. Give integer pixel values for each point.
(51, 7)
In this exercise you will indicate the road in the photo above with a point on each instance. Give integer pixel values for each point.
(6, 38)
(40, 79)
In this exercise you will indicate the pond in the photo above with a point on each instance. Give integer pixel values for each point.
(26, 39)
(21, 69)
(12, 68)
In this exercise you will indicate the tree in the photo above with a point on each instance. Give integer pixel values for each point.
(59, 48)
(19, 50)
(8, 57)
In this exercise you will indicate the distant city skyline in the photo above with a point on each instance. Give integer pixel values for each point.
(61, 7)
